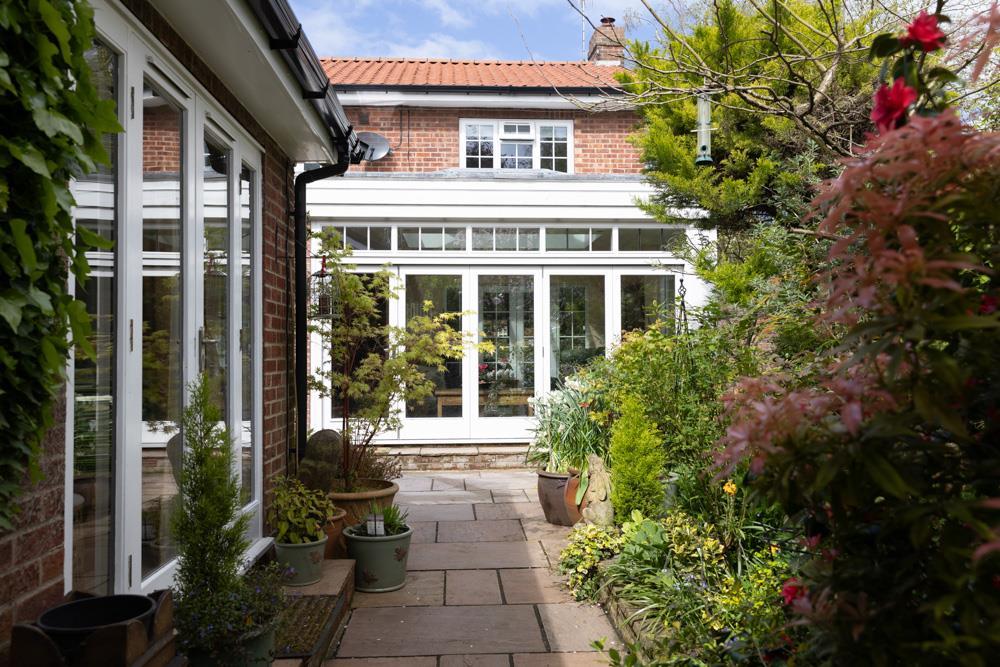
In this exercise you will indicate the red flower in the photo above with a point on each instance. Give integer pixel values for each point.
(792, 591)
(988, 304)
(891, 105)
(925, 32)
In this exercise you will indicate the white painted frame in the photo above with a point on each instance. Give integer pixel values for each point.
(141, 56)
(534, 138)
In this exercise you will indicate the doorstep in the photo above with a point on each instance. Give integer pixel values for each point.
(337, 587)
(459, 457)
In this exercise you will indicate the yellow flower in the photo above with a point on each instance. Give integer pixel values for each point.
(730, 488)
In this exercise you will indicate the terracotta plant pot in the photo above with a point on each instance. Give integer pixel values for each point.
(552, 496)
(573, 511)
(358, 503)
(336, 547)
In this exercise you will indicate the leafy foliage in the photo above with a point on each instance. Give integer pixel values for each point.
(884, 449)
(586, 547)
(565, 432)
(375, 367)
(52, 121)
(393, 518)
(215, 606)
(637, 463)
(299, 514)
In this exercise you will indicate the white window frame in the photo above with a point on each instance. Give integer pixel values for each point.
(142, 57)
(534, 138)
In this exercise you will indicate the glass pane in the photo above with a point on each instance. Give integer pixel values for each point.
(357, 238)
(561, 132)
(560, 149)
(379, 238)
(472, 148)
(506, 238)
(454, 238)
(94, 379)
(545, 132)
(646, 300)
(576, 324)
(506, 318)
(628, 238)
(162, 382)
(215, 338)
(561, 164)
(445, 295)
(430, 238)
(482, 238)
(601, 239)
(409, 238)
(555, 239)
(578, 239)
(472, 131)
(527, 239)
(649, 240)
(248, 201)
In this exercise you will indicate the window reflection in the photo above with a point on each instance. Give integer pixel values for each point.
(506, 375)
(247, 209)
(445, 293)
(646, 300)
(576, 323)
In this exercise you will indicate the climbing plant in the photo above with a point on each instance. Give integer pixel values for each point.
(52, 120)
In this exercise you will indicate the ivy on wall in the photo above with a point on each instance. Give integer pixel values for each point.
(52, 120)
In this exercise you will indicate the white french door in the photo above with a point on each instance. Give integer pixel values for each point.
(179, 295)
(578, 311)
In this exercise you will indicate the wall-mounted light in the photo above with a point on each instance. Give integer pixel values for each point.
(703, 132)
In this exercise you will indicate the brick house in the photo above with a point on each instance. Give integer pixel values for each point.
(218, 102)
(509, 193)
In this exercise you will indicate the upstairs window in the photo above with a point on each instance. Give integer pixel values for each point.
(517, 144)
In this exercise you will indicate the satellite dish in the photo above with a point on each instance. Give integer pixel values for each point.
(377, 145)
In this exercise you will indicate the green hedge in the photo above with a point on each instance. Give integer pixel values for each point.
(52, 122)
(637, 463)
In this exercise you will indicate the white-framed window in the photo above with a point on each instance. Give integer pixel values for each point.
(516, 144)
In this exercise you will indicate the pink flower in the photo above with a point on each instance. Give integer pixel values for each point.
(792, 590)
(891, 105)
(988, 304)
(924, 31)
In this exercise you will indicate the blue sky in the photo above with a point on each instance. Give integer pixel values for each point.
(461, 29)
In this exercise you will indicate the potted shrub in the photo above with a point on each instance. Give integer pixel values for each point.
(380, 555)
(371, 368)
(221, 617)
(565, 435)
(300, 516)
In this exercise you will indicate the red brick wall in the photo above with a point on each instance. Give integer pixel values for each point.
(31, 556)
(161, 140)
(427, 139)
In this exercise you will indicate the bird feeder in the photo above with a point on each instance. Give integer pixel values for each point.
(704, 132)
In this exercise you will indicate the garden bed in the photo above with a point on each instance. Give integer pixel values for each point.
(307, 627)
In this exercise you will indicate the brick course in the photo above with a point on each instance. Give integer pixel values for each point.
(427, 138)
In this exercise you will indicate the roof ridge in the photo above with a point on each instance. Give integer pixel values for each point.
(459, 61)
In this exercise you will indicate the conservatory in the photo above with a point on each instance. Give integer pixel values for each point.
(550, 269)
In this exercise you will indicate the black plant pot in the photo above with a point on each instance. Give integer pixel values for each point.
(68, 625)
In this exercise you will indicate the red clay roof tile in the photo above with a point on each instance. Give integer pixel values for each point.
(398, 72)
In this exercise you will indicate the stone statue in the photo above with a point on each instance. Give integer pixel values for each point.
(598, 509)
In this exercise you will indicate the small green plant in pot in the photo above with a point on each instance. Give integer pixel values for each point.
(300, 515)
(380, 546)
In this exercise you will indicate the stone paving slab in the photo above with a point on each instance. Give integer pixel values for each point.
(422, 589)
(572, 627)
(415, 483)
(537, 528)
(493, 511)
(530, 586)
(443, 497)
(498, 481)
(426, 661)
(420, 513)
(475, 661)
(509, 496)
(472, 587)
(423, 531)
(405, 631)
(475, 556)
(447, 484)
(502, 530)
(560, 660)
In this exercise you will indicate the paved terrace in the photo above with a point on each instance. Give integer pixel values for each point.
(480, 590)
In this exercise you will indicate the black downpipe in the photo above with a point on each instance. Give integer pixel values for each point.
(302, 290)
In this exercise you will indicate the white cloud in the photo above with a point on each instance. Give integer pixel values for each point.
(449, 16)
(441, 46)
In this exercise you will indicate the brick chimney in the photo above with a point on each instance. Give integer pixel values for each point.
(605, 44)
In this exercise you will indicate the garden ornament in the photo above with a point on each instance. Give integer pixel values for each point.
(597, 502)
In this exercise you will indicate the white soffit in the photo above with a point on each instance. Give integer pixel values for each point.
(394, 98)
(227, 37)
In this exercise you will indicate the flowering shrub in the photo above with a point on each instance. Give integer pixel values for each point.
(588, 545)
(886, 450)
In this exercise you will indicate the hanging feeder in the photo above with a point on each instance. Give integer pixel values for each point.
(703, 158)
(324, 293)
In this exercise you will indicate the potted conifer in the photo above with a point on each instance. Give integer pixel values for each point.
(370, 368)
